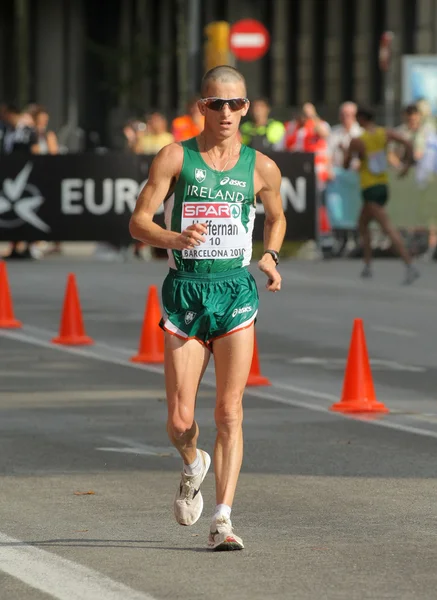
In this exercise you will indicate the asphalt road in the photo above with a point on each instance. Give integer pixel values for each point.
(329, 507)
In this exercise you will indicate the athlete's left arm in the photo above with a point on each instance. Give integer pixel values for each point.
(268, 187)
(356, 148)
(395, 136)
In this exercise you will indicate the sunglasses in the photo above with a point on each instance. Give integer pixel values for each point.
(218, 103)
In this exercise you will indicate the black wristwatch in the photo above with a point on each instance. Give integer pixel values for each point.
(273, 254)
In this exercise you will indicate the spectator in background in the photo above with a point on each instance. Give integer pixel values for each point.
(425, 110)
(154, 139)
(309, 133)
(190, 124)
(416, 130)
(19, 137)
(47, 140)
(342, 134)
(134, 131)
(260, 132)
(47, 144)
(156, 136)
(418, 127)
(20, 134)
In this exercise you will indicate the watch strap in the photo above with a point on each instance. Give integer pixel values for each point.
(273, 254)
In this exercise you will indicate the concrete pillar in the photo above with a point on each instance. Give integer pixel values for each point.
(75, 63)
(250, 70)
(333, 55)
(281, 28)
(305, 71)
(395, 24)
(425, 43)
(50, 71)
(362, 51)
(164, 58)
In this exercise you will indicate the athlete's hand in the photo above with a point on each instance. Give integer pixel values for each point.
(191, 237)
(403, 171)
(268, 266)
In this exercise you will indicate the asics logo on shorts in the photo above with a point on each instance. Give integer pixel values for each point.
(240, 311)
(236, 182)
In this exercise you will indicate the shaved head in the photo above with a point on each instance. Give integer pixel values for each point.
(222, 74)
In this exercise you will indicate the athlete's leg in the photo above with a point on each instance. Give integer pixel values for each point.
(381, 217)
(364, 231)
(185, 364)
(232, 357)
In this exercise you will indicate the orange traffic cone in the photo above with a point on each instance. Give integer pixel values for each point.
(151, 348)
(7, 319)
(255, 377)
(324, 224)
(358, 392)
(71, 330)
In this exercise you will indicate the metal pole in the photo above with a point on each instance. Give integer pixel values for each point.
(193, 46)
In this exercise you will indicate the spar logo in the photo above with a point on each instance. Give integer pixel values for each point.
(211, 210)
(20, 200)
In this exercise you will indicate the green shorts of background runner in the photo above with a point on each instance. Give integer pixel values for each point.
(376, 193)
(208, 306)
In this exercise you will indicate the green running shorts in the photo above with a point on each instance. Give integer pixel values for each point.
(207, 306)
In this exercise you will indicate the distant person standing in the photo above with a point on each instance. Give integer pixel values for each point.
(260, 131)
(47, 144)
(157, 135)
(307, 132)
(47, 140)
(19, 137)
(188, 125)
(371, 149)
(342, 134)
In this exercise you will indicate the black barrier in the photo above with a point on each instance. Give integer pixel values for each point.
(90, 197)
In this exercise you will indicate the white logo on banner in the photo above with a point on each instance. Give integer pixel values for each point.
(23, 199)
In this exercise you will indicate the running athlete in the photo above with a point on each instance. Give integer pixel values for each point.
(371, 149)
(208, 185)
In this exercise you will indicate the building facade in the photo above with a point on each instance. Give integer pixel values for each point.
(96, 63)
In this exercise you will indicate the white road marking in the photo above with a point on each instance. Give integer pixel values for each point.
(394, 331)
(263, 394)
(378, 364)
(131, 447)
(317, 319)
(59, 577)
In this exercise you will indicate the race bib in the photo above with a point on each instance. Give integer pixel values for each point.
(377, 162)
(225, 237)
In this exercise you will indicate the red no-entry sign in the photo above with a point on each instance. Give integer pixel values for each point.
(249, 39)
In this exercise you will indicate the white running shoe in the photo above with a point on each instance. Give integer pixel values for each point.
(366, 273)
(222, 536)
(188, 502)
(411, 274)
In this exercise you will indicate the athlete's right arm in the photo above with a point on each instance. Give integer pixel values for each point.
(164, 171)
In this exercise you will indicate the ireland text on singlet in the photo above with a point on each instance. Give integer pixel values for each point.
(225, 201)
